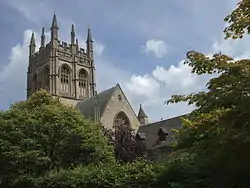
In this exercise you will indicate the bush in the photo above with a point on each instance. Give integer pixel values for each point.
(41, 134)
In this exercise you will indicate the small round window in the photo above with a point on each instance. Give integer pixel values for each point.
(119, 97)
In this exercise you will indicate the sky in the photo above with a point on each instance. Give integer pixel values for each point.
(139, 44)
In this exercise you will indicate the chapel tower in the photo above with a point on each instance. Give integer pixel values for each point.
(64, 70)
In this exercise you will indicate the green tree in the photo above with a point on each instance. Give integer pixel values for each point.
(238, 21)
(41, 134)
(218, 131)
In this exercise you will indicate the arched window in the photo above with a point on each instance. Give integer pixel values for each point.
(121, 119)
(45, 78)
(34, 82)
(121, 125)
(83, 83)
(65, 78)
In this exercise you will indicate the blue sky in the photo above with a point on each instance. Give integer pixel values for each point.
(140, 44)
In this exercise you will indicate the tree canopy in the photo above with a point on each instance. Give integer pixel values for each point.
(238, 21)
(218, 131)
(41, 134)
(46, 144)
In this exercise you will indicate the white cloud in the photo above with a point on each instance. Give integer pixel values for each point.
(150, 89)
(154, 89)
(158, 47)
(143, 85)
(99, 48)
(238, 49)
(13, 75)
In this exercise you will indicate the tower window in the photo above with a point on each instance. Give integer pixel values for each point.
(119, 97)
(83, 83)
(65, 79)
(65, 75)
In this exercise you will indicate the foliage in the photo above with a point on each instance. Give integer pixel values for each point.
(45, 144)
(218, 130)
(41, 134)
(126, 147)
(139, 174)
(239, 21)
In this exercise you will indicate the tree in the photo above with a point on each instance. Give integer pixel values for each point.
(239, 21)
(218, 131)
(41, 134)
(126, 147)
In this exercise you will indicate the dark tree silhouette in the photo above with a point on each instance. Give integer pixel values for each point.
(126, 145)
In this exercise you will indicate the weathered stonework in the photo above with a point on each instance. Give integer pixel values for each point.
(119, 103)
(68, 72)
(64, 64)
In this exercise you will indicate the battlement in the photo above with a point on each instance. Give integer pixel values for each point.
(66, 47)
(72, 50)
(63, 44)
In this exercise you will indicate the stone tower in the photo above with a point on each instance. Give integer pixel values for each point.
(64, 70)
(142, 116)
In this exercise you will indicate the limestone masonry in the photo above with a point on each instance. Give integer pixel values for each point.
(67, 71)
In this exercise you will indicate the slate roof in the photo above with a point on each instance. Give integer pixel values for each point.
(167, 126)
(87, 106)
(141, 113)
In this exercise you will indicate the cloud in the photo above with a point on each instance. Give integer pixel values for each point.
(158, 47)
(151, 84)
(99, 48)
(151, 89)
(13, 74)
(143, 85)
(238, 49)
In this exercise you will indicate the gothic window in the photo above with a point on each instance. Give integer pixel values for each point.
(121, 125)
(83, 83)
(65, 78)
(45, 78)
(121, 119)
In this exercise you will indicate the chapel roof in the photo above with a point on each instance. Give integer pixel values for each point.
(101, 99)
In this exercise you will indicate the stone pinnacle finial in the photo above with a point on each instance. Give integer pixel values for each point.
(89, 37)
(54, 22)
(32, 40)
(73, 34)
(72, 29)
(43, 38)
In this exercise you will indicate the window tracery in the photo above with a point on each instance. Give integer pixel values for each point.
(121, 120)
(65, 78)
(83, 83)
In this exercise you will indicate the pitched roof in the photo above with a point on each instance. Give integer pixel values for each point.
(167, 126)
(87, 106)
